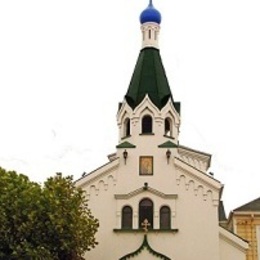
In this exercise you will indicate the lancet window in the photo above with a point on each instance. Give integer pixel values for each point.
(165, 217)
(127, 127)
(168, 127)
(146, 212)
(127, 217)
(147, 124)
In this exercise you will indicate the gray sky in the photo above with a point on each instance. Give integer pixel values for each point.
(65, 65)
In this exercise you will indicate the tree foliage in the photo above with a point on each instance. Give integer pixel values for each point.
(52, 221)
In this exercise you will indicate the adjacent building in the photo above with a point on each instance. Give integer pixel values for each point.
(245, 222)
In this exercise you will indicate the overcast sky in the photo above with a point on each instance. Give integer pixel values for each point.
(65, 65)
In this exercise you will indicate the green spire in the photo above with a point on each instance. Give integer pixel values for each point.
(149, 78)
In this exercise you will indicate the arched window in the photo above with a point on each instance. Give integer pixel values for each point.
(147, 125)
(127, 217)
(167, 127)
(127, 127)
(150, 33)
(165, 217)
(146, 212)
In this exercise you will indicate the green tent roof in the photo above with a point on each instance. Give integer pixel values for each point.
(168, 144)
(149, 78)
(125, 145)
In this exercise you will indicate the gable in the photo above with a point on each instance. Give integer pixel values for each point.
(101, 177)
(199, 181)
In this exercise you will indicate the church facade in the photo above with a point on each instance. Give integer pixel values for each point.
(155, 198)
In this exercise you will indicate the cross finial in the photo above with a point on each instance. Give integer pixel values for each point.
(146, 224)
(150, 2)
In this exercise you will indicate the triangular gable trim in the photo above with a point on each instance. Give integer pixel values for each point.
(144, 245)
(145, 188)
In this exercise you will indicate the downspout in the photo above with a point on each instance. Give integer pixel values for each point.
(252, 236)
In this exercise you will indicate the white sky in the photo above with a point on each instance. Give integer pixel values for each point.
(65, 65)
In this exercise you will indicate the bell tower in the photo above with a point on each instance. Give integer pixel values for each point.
(149, 116)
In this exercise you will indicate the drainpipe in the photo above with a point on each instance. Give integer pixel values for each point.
(252, 236)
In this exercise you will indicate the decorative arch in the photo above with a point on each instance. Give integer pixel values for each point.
(101, 185)
(147, 107)
(145, 245)
(124, 111)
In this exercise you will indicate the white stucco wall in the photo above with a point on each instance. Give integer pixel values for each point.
(231, 247)
(193, 216)
(190, 192)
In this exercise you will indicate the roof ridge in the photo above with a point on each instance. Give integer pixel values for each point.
(253, 205)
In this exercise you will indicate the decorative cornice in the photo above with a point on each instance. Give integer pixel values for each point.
(251, 213)
(195, 154)
(141, 230)
(143, 189)
(98, 173)
(198, 174)
(201, 183)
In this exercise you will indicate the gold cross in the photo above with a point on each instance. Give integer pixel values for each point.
(146, 224)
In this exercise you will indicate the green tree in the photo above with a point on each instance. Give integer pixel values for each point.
(52, 221)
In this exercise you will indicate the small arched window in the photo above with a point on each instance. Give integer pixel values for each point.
(167, 127)
(147, 125)
(127, 217)
(150, 33)
(127, 127)
(146, 212)
(165, 217)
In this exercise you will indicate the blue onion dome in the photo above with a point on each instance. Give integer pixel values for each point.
(150, 14)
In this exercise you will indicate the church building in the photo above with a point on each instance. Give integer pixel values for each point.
(155, 198)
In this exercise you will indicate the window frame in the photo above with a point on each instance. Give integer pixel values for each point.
(168, 132)
(167, 214)
(145, 213)
(127, 216)
(127, 127)
(147, 126)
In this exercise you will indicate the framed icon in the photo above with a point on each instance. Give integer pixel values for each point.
(146, 165)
